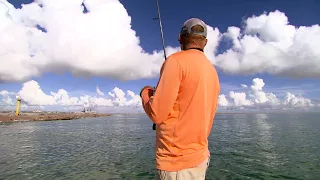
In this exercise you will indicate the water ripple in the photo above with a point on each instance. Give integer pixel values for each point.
(243, 146)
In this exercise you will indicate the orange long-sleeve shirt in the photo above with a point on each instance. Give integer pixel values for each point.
(183, 107)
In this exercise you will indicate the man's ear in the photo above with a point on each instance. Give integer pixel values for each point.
(206, 42)
(179, 38)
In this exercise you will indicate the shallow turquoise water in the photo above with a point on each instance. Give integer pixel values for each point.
(243, 146)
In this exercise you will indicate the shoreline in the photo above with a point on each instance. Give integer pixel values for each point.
(48, 116)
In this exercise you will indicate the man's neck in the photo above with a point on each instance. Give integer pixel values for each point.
(196, 49)
(192, 47)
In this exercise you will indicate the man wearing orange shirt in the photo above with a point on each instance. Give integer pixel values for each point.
(183, 107)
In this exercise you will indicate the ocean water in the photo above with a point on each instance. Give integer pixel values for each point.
(243, 146)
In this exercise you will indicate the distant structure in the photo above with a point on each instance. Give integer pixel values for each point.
(86, 109)
(18, 106)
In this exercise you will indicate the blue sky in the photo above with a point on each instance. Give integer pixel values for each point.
(218, 14)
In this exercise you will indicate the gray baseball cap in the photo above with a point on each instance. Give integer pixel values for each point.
(187, 27)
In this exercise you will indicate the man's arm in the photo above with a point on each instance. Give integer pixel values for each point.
(158, 107)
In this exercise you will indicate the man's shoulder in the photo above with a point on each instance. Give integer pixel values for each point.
(178, 56)
(184, 54)
(174, 55)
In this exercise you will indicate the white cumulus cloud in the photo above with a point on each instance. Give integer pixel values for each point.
(4, 92)
(268, 43)
(99, 92)
(102, 43)
(223, 100)
(257, 98)
(33, 96)
(253, 98)
(292, 100)
(6, 97)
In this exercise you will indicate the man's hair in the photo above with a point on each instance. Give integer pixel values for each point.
(193, 38)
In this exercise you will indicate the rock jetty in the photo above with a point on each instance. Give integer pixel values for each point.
(48, 116)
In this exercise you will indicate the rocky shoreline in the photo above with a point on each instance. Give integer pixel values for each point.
(48, 116)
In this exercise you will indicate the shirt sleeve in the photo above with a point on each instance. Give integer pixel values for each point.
(158, 107)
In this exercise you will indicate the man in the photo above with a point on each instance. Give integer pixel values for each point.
(183, 107)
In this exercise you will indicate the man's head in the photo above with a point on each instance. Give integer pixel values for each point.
(193, 34)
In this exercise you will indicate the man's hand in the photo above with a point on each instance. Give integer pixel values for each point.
(147, 90)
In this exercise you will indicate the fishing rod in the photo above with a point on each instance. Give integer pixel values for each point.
(161, 31)
(163, 46)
